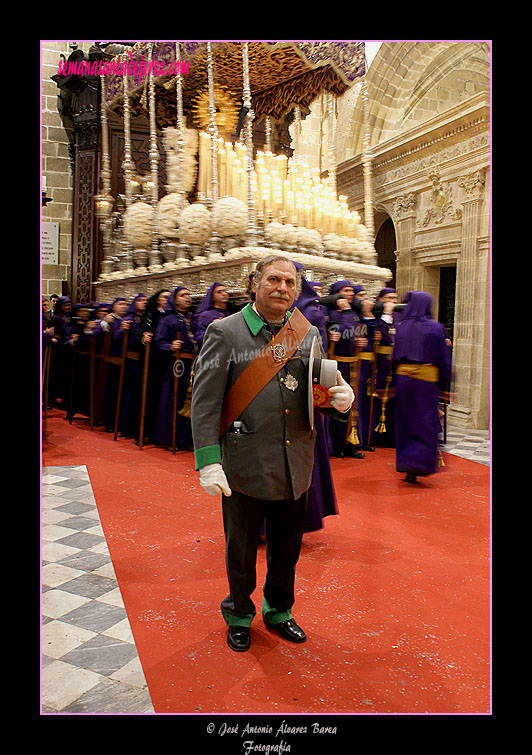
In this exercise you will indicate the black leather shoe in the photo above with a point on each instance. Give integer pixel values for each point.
(238, 638)
(368, 448)
(289, 630)
(411, 477)
(354, 454)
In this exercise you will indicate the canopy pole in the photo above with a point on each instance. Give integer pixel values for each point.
(248, 131)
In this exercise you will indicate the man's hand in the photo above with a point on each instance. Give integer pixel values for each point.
(213, 480)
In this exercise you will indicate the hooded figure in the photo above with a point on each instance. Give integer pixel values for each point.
(347, 323)
(153, 316)
(128, 422)
(422, 369)
(175, 325)
(59, 381)
(206, 313)
(108, 334)
(371, 330)
(384, 435)
(77, 337)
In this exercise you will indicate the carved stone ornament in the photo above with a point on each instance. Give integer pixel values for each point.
(473, 184)
(441, 204)
(404, 205)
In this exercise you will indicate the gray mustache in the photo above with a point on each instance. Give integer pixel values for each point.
(280, 296)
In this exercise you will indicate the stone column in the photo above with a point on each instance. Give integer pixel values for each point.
(471, 306)
(404, 218)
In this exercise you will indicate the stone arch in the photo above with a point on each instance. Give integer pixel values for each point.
(409, 82)
(385, 241)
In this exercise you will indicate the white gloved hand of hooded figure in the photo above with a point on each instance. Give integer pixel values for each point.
(213, 480)
(342, 395)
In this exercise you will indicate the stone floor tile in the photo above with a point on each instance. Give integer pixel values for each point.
(63, 683)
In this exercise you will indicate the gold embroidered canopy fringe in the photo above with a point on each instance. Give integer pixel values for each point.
(282, 74)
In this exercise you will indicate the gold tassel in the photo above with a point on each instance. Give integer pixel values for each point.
(381, 427)
(352, 438)
(441, 462)
(185, 409)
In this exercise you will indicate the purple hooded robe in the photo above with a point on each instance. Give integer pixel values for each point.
(347, 323)
(205, 314)
(108, 374)
(59, 380)
(321, 499)
(172, 326)
(419, 340)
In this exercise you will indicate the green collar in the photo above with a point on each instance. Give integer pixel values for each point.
(253, 321)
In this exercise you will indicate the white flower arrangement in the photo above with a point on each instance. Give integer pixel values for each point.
(332, 243)
(306, 238)
(230, 217)
(190, 163)
(138, 225)
(195, 224)
(274, 232)
(167, 216)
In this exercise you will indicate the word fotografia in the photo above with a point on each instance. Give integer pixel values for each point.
(136, 68)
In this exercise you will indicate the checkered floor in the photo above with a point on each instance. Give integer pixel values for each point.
(89, 660)
(469, 444)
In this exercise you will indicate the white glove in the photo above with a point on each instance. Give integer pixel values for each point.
(213, 480)
(342, 394)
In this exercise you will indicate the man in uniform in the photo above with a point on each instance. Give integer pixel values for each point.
(250, 393)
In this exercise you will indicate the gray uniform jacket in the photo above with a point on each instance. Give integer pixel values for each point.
(273, 456)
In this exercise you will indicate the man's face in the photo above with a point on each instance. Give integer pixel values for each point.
(121, 308)
(347, 293)
(389, 297)
(162, 299)
(141, 304)
(183, 300)
(220, 296)
(361, 295)
(276, 291)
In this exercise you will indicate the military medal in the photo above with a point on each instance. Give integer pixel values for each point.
(279, 352)
(290, 382)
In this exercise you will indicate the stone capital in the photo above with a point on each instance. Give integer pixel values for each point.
(472, 184)
(404, 205)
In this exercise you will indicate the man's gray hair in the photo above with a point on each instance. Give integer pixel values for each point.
(265, 261)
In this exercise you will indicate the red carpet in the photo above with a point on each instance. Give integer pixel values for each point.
(394, 593)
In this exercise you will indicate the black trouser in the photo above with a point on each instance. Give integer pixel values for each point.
(285, 521)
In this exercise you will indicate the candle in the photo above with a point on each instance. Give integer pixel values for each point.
(222, 174)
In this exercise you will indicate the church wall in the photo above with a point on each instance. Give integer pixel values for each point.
(429, 116)
(56, 169)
